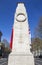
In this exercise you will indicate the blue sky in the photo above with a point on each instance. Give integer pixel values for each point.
(7, 11)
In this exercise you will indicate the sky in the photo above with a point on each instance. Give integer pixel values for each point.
(7, 11)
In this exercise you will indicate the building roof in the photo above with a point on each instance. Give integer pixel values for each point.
(0, 33)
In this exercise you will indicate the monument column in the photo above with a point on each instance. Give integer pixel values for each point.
(21, 54)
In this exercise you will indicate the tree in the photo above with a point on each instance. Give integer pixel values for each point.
(36, 44)
(39, 29)
(37, 41)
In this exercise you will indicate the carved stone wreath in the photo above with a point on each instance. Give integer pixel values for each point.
(21, 17)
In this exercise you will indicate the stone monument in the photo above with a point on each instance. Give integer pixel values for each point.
(21, 54)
